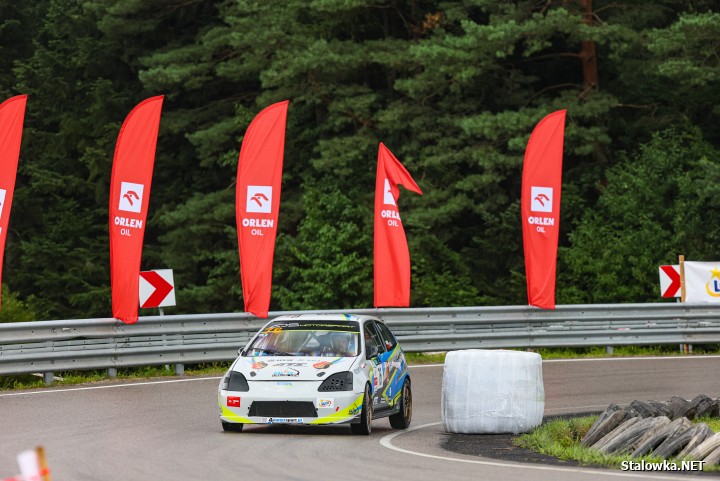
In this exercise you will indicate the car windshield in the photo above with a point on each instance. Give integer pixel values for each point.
(307, 338)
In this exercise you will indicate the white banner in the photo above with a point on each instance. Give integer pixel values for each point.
(702, 281)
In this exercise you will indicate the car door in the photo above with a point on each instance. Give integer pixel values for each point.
(378, 384)
(395, 361)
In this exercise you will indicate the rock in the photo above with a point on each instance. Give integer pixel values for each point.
(705, 448)
(679, 440)
(650, 444)
(702, 432)
(609, 424)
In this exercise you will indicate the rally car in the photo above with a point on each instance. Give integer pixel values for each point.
(318, 369)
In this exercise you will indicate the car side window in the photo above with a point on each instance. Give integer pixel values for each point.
(372, 338)
(387, 336)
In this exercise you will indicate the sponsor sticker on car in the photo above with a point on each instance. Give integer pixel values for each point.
(283, 420)
(325, 402)
(233, 401)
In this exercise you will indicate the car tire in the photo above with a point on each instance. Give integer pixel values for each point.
(364, 427)
(402, 419)
(232, 427)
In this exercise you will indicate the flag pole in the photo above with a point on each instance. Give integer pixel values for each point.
(682, 277)
(44, 471)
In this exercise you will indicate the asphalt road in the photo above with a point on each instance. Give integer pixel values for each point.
(169, 429)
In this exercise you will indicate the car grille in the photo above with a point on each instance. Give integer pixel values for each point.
(283, 409)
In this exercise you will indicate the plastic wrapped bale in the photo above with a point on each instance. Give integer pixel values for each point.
(492, 391)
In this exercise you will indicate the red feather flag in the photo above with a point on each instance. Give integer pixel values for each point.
(257, 203)
(392, 258)
(129, 199)
(12, 115)
(541, 186)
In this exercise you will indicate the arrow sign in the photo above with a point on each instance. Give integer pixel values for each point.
(157, 288)
(670, 281)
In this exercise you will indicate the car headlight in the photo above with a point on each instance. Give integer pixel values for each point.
(235, 381)
(340, 381)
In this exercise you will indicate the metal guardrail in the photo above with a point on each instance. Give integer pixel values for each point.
(70, 345)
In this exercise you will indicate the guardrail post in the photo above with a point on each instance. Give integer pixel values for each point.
(112, 372)
(48, 378)
(179, 369)
(609, 350)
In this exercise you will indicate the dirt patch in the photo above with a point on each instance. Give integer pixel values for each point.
(497, 446)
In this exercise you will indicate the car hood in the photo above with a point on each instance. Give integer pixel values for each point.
(271, 368)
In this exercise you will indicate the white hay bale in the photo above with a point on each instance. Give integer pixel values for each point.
(492, 391)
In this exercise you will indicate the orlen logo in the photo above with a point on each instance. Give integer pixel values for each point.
(541, 199)
(388, 198)
(233, 401)
(131, 197)
(259, 199)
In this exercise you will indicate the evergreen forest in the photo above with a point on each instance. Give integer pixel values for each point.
(452, 87)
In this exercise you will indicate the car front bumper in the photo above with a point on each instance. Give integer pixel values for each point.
(289, 402)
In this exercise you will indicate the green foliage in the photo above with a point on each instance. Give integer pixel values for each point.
(652, 207)
(15, 309)
(453, 88)
(329, 264)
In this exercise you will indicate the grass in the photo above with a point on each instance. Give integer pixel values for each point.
(425, 358)
(29, 381)
(210, 369)
(583, 352)
(561, 438)
(624, 351)
(714, 423)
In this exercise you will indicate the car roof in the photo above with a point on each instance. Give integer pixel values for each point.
(325, 317)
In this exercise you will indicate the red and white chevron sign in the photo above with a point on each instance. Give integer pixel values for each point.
(157, 288)
(670, 281)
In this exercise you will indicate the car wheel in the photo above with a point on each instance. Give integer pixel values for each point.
(402, 419)
(365, 425)
(232, 427)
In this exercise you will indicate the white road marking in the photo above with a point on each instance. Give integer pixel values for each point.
(600, 359)
(386, 441)
(144, 383)
(634, 358)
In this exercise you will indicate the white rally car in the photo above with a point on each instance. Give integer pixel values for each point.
(318, 369)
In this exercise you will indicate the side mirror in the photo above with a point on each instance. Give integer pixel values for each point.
(372, 352)
(241, 351)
